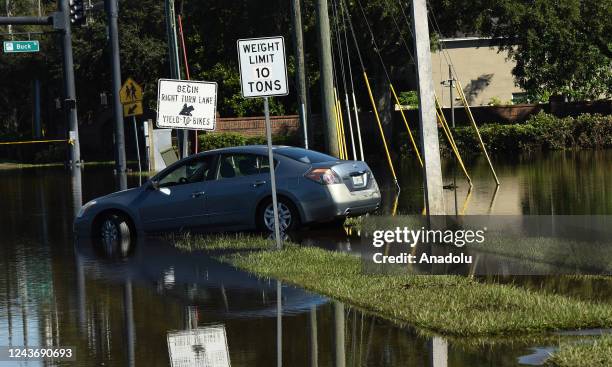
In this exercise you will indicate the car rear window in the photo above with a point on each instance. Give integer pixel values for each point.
(305, 156)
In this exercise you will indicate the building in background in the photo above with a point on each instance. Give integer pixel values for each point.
(484, 73)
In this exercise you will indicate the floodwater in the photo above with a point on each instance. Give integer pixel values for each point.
(160, 305)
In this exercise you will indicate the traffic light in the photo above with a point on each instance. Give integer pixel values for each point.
(77, 12)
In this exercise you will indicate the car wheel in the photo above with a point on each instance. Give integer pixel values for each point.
(115, 234)
(288, 216)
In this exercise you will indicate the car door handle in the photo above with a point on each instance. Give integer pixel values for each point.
(258, 183)
(197, 194)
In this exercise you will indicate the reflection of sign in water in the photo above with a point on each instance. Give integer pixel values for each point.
(201, 347)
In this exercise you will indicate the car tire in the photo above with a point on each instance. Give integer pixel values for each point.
(115, 234)
(288, 215)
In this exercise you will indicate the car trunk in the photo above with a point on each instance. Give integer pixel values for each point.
(356, 175)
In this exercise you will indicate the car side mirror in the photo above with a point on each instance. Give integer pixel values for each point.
(154, 185)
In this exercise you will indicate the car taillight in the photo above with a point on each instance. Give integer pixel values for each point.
(324, 176)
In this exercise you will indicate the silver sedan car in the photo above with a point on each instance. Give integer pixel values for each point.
(230, 188)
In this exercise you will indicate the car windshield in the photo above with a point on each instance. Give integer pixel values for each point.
(305, 156)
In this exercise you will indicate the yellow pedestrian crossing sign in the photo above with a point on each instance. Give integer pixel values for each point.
(130, 92)
(132, 109)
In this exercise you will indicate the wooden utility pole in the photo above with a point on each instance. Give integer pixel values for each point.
(432, 171)
(175, 68)
(327, 80)
(300, 72)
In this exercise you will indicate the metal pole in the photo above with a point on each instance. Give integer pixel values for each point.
(305, 125)
(300, 73)
(69, 89)
(130, 330)
(113, 30)
(452, 98)
(314, 344)
(358, 128)
(277, 236)
(137, 149)
(438, 352)
(350, 123)
(327, 81)
(279, 322)
(37, 124)
(25, 21)
(434, 196)
(339, 331)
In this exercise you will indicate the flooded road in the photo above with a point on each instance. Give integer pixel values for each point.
(160, 304)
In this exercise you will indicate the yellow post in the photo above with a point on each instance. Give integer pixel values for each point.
(469, 113)
(342, 133)
(414, 145)
(466, 202)
(338, 139)
(339, 129)
(380, 129)
(451, 140)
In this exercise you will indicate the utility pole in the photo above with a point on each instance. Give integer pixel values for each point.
(300, 74)
(175, 67)
(60, 21)
(37, 133)
(327, 81)
(113, 13)
(70, 105)
(432, 172)
(451, 80)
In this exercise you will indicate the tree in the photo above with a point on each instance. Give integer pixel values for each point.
(561, 47)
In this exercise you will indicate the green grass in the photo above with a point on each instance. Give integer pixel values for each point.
(595, 354)
(233, 241)
(451, 305)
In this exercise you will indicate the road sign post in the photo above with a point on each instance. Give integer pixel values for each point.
(130, 96)
(263, 73)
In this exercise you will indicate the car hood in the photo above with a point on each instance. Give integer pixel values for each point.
(124, 196)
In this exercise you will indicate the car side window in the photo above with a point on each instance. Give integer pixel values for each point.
(241, 164)
(194, 170)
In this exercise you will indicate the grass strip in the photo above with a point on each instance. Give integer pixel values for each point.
(225, 241)
(451, 305)
(595, 354)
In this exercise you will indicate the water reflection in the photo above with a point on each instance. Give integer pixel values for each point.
(202, 346)
(118, 305)
(572, 182)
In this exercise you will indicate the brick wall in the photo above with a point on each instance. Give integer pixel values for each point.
(256, 126)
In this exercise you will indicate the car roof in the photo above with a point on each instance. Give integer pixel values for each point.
(256, 149)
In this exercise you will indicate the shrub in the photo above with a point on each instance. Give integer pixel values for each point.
(223, 140)
(541, 132)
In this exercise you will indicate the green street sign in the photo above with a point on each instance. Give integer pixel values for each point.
(21, 46)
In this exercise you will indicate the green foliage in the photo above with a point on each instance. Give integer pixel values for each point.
(495, 101)
(562, 47)
(409, 98)
(542, 132)
(223, 140)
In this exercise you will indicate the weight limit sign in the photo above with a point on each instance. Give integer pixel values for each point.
(263, 69)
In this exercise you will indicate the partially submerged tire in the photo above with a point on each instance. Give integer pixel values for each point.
(115, 234)
(288, 215)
